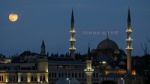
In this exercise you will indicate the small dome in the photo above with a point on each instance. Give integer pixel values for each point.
(107, 44)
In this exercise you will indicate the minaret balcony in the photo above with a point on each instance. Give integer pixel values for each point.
(129, 48)
(129, 30)
(129, 39)
(72, 31)
(72, 39)
(72, 48)
(88, 70)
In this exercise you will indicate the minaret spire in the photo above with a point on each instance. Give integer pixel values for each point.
(89, 52)
(107, 35)
(43, 51)
(72, 40)
(89, 49)
(72, 19)
(129, 18)
(89, 69)
(129, 42)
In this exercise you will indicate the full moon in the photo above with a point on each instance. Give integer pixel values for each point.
(13, 17)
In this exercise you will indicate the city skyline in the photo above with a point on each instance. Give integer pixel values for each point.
(50, 21)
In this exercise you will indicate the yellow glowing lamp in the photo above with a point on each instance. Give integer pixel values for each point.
(133, 72)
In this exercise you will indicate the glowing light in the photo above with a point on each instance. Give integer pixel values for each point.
(38, 77)
(72, 31)
(19, 77)
(67, 79)
(89, 67)
(72, 39)
(104, 62)
(123, 82)
(72, 48)
(6, 79)
(129, 39)
(29, 77)
(129, 48)
(46, 69)
(106, 72)
(121, 71)
(46, 75)
(13, 17)
(129, 30)
(134, 72)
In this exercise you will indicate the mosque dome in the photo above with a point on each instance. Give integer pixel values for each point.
(107, 44)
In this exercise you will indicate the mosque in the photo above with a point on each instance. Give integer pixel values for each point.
(106, 64)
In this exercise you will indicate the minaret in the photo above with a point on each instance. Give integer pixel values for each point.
(43, 52)
(107, 35)
(89, 53)
(89, 50)
(89, 71)
(129, 42)
(72, 40)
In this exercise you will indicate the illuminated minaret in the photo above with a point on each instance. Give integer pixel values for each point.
(89, 69)
(72, 38)
(129, 42)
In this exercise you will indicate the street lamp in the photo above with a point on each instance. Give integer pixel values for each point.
(68, 80)
(122, 79)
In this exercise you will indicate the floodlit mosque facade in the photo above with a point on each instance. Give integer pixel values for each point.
(107, 64)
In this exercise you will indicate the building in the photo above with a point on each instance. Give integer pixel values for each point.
(106, 64)
(27, 68)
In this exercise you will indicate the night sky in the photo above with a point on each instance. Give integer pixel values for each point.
(49, 20)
